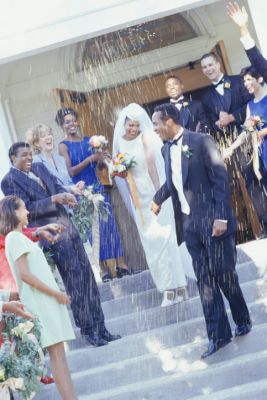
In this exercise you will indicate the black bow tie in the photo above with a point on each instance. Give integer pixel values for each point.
(179, 101)
(218, 83)
(175, 141)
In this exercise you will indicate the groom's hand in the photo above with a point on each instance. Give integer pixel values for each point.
(155, 208)
(219, 227)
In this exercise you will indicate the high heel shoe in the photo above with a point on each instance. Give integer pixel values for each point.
(182, 292)
(170, 297)
(122, 272)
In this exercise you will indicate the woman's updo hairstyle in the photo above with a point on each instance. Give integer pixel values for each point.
(62, 112)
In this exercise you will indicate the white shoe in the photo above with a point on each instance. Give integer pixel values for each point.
(182, 292)
(169, 298)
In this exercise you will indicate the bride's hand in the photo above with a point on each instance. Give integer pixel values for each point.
(155, 208)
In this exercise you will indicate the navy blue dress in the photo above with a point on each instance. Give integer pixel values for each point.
(110, 242)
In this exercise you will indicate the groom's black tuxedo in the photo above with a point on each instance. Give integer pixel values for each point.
(68, 253)
(206, 188)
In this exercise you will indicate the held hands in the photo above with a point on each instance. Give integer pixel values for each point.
(65, 199)
(219, 227)
(155, 208)
(238, 15)
(62, 298)
(17, 308)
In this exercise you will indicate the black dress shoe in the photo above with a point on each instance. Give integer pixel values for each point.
(122, 272)
(95, 340)
(243, 329)
(106, 335)
(107, 278)
(215, 346)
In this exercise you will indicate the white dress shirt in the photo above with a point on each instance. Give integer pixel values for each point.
(176, 168)
(247, 41)
(176, 102)
(219, 88)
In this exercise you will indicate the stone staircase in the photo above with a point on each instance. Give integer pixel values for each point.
(158, 357)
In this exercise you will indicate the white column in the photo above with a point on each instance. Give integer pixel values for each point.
(5, 142)
(258, 12)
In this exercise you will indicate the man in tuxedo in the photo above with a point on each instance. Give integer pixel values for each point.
(225, 103)
(192, 113)
(45, 200)
(225, 100)
(197, 182)
(240, 17)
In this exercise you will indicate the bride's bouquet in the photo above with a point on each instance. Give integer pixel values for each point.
(98, 143)
(121, 163)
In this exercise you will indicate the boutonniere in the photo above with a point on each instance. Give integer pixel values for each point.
(187, 151)
(227, 85)
(185, 104)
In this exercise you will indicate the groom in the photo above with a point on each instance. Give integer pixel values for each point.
(197, 182)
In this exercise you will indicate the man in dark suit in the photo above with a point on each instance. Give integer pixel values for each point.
(192, 113)
(197, 182)
(225, 100)
(45, 200)
(240, 17)
(225, 103)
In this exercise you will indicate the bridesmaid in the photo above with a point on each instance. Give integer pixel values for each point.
(38, 290)
(81, 163)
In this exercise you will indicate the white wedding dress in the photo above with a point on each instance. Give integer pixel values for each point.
(167, 262)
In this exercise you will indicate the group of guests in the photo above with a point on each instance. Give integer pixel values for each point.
(180, 203)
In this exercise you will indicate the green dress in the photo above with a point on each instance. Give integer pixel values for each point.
(54, 317)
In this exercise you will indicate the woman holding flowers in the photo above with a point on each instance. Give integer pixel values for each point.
(38, 290)
(139, 146)
(255, 132)
(81, 160)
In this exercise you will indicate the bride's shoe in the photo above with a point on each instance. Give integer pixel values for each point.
(182, 292)
(170, 298)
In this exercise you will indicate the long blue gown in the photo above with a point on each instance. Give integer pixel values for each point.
(260, 109)
(110, 242)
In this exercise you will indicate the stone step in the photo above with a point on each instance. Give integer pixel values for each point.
(158, 355)
(237, 371)
(256, 389)
(156, 317)
(164, 337)
(134, 284)
(138, 301)
(161, 363)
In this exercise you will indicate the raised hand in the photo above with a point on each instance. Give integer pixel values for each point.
(238, 15)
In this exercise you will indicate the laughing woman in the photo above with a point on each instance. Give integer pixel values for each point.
(82, 162)
(38, 290)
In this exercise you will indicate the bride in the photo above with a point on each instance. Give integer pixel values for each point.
(167, 262)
